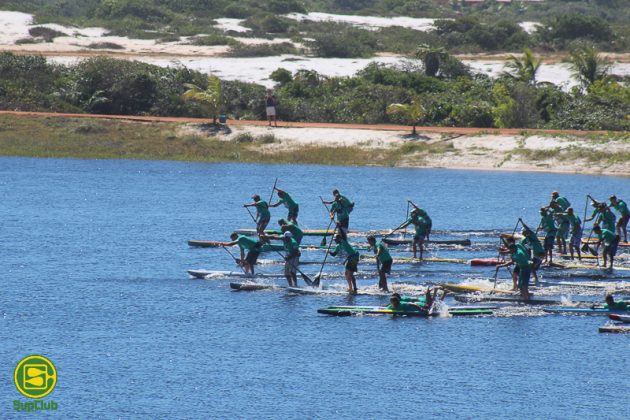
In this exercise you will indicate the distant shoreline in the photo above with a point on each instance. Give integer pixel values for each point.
(186, 139)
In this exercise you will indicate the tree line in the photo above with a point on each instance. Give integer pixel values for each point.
(434, 89)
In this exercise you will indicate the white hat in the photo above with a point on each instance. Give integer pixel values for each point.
(288, 235)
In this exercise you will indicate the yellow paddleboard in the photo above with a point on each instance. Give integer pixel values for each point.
(462, 288)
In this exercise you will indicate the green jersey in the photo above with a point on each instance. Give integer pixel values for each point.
(530, 240)
(617, 306)
(622, 208)
(420, 299)
(291, 247)
(246, 243)
(574, 220)
(295, 230)
(405, 306)
(384, 255)
(563, 203)
(288, 202)
(608, 219)
(520, 258)
(263, 210)
(342, 212)
(548, 223)
(422, 213)
(346, 248)
(345, 202)
(607, 236)
(420, 224)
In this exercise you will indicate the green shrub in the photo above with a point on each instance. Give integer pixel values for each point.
(105, 46)
(281, 76)
(47, 34)
(244, 138)
(215, 39)
(262, 50)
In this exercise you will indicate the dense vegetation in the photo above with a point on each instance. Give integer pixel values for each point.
(450, 96)
(486, 27)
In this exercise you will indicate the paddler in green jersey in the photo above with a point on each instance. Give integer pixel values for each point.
(407, 304)
(295, 230)
(262, 214)
(352, 260)
(531, 242)
(603, 217)
(522, 267)
(619, 305)
(343, 217)
(421, 226)
(559, 205)
(509, 241)
(548, 224)
(624, 216)
(292, 257)
(422, 213)
(383, 260)
(610, 241)
(561, 202)
(250, 245)
(576, 232)
(342, 206)
(289, 203)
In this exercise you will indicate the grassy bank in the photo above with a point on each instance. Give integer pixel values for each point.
(68, 137)
(116, 139)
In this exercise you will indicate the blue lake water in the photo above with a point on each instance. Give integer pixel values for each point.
(94, 261)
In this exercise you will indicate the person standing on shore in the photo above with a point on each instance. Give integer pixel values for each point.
(624, 216)
(270, 107)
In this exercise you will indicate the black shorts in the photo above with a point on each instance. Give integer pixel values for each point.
(386, 267)
(293, 213)
(252, 255)
(352, 264)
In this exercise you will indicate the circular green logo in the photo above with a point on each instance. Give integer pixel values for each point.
(35, 376)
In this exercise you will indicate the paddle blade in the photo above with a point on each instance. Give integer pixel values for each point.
(323, 242)
(585, 248)
(316, 281)
(592, 250)
(307, 280)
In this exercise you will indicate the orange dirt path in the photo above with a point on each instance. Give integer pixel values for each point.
(383, 127)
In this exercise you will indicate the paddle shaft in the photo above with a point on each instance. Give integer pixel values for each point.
(323, 242)
(272, 191)
(238, 262)
(321, 269)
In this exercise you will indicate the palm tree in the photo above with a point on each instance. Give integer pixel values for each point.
(431, 58)
(588, 66)
(523, 69)
(210, 98)
(412, 112)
